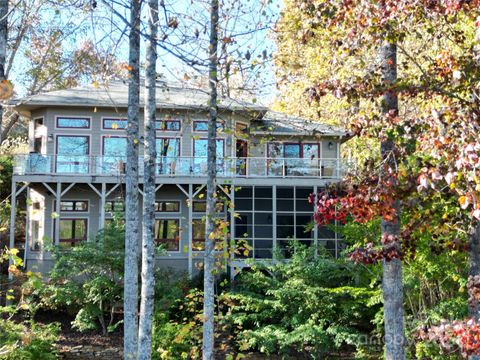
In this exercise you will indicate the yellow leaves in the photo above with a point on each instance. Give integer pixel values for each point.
(6, 89)
(136, 141)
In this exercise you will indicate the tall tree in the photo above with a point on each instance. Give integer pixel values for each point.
(209, 258)
(148, 249)
(3, 50)
(392, 268)
(131, 197)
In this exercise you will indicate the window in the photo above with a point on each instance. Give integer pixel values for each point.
(115, 124)
(167, 232)
(114, 146)
(72, 154)
(202, 125)
(201, 206)
(72, 231)
(168, 147)
(35, 235)
(167, 206)
(75, 205)
(168, 125)
(200, 148)
(73, 122)
(36, 205)
(115, 206)
(198, 234)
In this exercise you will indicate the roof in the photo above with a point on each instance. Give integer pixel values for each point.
(177, 97)
(277, 123)
(115, 94)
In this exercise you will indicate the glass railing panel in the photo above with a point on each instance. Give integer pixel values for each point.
(68, 164)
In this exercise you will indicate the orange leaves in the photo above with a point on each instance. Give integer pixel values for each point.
(6, 89)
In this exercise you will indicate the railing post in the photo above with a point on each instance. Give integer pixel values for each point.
(284, 170)
(320, 167)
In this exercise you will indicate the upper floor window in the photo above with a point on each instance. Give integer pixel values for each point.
(202, 125)
(73, 122)
(168, 125)
(293, 150)
(114, 124)
(168, 147)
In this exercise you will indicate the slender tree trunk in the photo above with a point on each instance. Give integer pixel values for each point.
(474, 241)
(209, 260)
(392, 270)
(131, 198)
(3, 51)
(148, 249)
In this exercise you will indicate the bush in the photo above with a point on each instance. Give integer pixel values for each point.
(308, 304)
(88, 280)
(27, 340)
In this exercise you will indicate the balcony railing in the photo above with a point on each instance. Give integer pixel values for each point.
(37, 164)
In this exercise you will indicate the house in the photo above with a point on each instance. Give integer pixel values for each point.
(268, 164)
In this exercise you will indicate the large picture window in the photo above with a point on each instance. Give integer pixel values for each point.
(72, 154)
(73, 122)
(72, 231)
(114, 154)
(200, 152)
(168, 151)
(167, 232)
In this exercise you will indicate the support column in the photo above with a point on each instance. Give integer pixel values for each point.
(315, 226)
(58, 199)
(274, 221)
(190, 230)
(28, 229)
(103, 196)
(232, 244)
(13, 214)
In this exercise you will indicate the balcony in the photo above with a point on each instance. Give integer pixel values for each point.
(37, 164)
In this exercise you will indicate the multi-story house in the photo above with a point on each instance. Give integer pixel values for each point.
(268, 163)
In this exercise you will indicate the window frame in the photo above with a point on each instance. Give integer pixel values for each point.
(178, 202)
(71, 117)
(203, 138)
(220, 125)
(113, 206)
(74, 219)
(104, 118)
(178, 237)
(73, 201)
(165, 121)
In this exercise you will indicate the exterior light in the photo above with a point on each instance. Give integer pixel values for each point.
(50, 138)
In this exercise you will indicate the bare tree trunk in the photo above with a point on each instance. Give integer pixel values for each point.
(148, 249)
(474, 241)
(131, 198)
(209, 259)
(392, 270)
(3, 51)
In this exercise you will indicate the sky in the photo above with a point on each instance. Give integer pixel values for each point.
(245, 26)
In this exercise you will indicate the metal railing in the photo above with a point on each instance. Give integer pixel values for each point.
(186, 166)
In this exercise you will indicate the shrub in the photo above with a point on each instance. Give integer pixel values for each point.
(88, 279)
(309, 303)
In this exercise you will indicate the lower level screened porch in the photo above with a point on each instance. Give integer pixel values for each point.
(267, 218)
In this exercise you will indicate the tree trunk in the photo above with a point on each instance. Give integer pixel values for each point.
(209, 259)
(3, 51)
(392, 270)
(474, 241)
(148, 249)
(131, 198)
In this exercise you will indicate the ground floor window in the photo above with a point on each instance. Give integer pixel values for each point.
(35, 235)
(72, 231)
(198, 234)
(167, 233)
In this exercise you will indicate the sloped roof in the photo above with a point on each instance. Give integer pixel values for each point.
(282, 124)
(179, 96)
(169, 96)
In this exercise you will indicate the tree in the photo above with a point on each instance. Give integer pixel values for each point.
(3, 54)
(131, 197)
(148, 248)
(209, 258)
